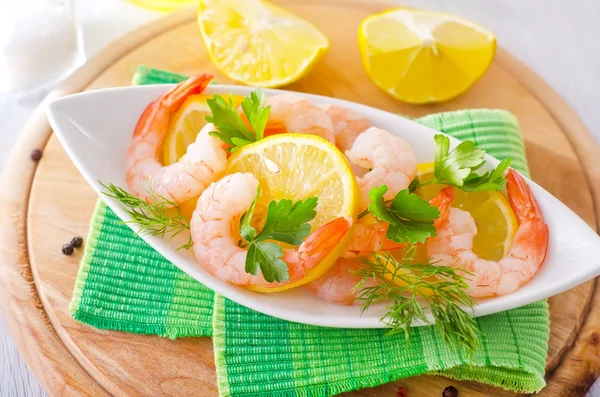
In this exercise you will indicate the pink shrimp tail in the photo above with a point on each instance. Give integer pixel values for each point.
(178, 94)
(443, 202)
(325, 238)
(527, 210)
(521, 200)
(157, 115)
(316, 247)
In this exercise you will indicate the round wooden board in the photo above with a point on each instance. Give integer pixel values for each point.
(42, 207)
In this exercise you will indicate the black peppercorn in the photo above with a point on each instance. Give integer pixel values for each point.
(36, 155)
(76, 242)
(450, 391)
(67, 249)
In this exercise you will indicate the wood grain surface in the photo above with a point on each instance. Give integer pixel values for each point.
(42, 207)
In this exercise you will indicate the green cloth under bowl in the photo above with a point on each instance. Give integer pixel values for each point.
(123, 284)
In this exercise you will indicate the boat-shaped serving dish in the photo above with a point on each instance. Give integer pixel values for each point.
(96, 127)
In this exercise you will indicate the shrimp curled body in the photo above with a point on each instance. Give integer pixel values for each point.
(338, 284)
(292, 113)
(389, 159)
(347, 125)
(453, 245)
(216, 246)
(391, 162)
(204, 161)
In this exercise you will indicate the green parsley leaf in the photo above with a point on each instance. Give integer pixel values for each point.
(286, 222)
(256, 112)
(246, 230)
(414, 184)
(489, 181)
(229, 125)
(230, 128)
(267, 256)
(456, 167)
(410, 217)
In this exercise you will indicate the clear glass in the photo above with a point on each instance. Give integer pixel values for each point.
(40, 44)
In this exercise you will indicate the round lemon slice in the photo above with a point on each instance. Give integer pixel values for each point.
(495, 219)
(296, 167)
(257, 43)
(423, 56)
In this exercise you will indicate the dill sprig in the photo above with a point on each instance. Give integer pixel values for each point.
(162, 217)
(411, 288)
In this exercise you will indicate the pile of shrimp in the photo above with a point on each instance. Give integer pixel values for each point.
(377, 157)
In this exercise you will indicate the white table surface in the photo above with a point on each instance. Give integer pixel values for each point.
(557, 38)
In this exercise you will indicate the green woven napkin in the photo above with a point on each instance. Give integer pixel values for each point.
(123, 284)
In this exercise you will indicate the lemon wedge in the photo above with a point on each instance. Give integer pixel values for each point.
(495, 219)
(296, 167)
(423, 56)
(257, 43)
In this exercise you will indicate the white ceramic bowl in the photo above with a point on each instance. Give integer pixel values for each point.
(95, 129)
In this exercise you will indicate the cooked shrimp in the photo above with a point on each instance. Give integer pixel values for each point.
(204, 161)
(453, 245)
(389, 158)
(292, 113)
(371, 237)
(216, 246)
(337, 285)
(347, 125)
(391, 162)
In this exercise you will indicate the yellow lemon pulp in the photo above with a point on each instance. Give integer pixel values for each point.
(423, 56)
(296, 167)
(257, 43)
(183, 129)
(495, 219)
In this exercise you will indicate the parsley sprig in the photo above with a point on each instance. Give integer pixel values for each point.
(162, 217)
(409, 289)
(286, 222)
(230, 128)
(457, 167)
(410, 217)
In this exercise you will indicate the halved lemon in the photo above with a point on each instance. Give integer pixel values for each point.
(296, 167)
(183, 129)
(257, 43)
(495, 219)
(424, 56)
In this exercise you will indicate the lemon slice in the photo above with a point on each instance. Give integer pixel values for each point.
(296, 167)
(423, 56)
(257, 43)
(185, 125)
(495, 219)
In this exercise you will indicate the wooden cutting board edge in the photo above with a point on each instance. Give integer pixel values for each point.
(42, 348)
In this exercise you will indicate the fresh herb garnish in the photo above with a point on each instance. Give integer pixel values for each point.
(230, 128)
(414, 184)
(410, 288)
(162, 217)
(410, 217)
(457, 167)
(286, 222)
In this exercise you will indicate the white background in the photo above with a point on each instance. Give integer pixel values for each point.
(557, 38)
